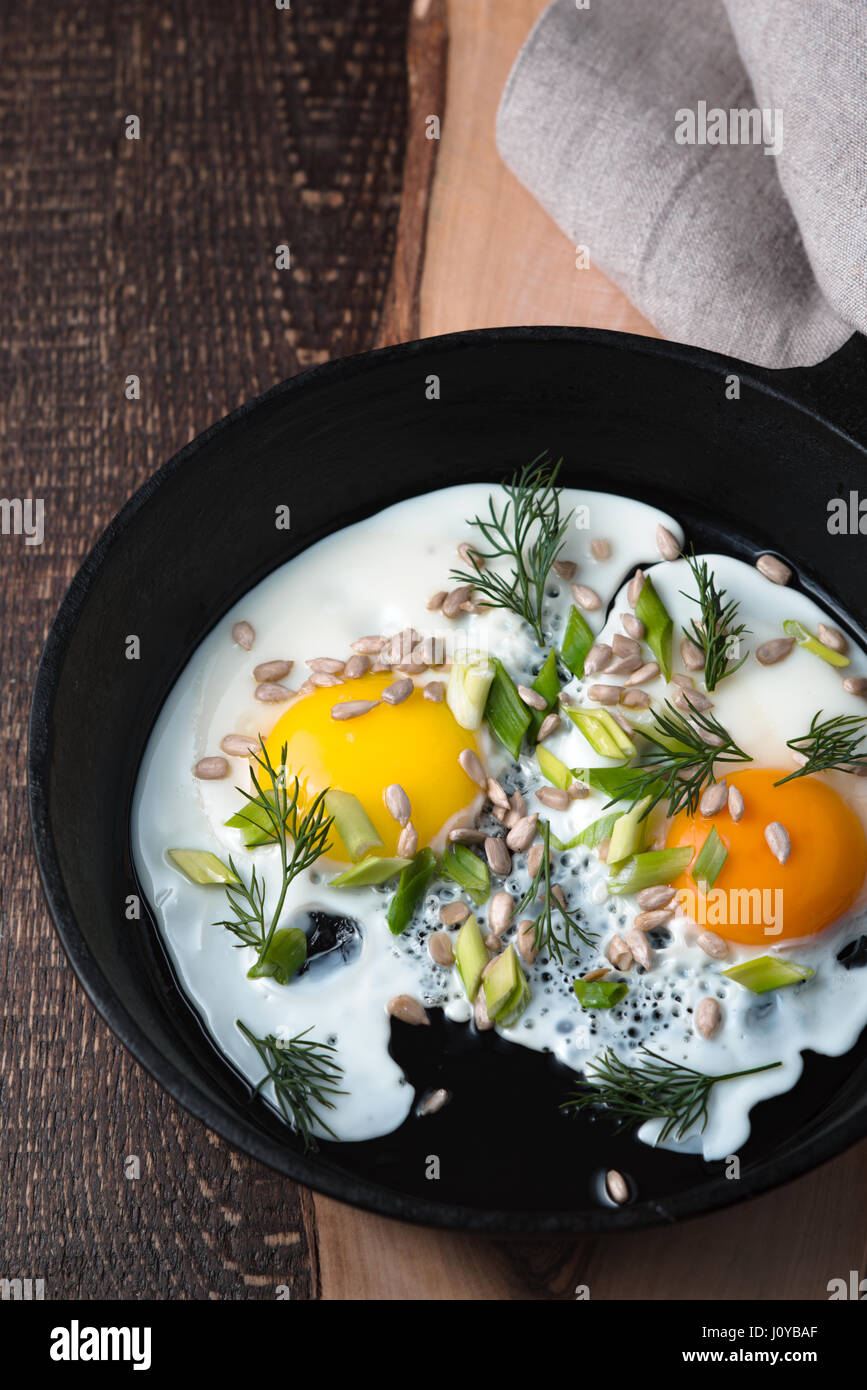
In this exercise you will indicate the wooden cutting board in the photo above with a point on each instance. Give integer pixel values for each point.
(475, 250)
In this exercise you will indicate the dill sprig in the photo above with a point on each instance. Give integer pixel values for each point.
(717, 632)
(530, 532)
(545, 935)
(304, 1075)
(660, 1089)
(835, 745)
(681, 763)
(302, 839)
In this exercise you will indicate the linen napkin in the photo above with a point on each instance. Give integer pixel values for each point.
(710, 156)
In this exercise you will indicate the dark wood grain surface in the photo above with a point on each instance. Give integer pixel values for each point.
(156, 258)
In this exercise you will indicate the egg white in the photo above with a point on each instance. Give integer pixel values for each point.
(377, 577)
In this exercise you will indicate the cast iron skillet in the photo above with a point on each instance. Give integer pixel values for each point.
(649, 419)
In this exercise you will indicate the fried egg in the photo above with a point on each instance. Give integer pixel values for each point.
(377, 577)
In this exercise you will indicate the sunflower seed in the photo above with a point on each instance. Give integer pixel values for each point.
(655, 917)
(211, 769)
(518, 804)
(436, 600)
(616, 1187)
(407, 1009)
(600, 548)
(855, 685)
(434, 1102)
(577, 791)
(604, 694)
(596, 975)
(325, 680)
(660, 895)
(625, 665)
(640, 948)
(398, 691)
(559, 896)
(774, 569)
(496, 793)
(472, 766)
(270, 693)
(691, 655)
(500, 912)
(586, 598)
(534, 859)
(633, 626)
(532, 697)
(407, 844)
(666, 543)
(769, 653)
(466, 835)
(597, 658)
(648, 672)
(832, 637)
(689, 700)
(430, 652)
(778, 842)
(441, 949)
(240, 745)
(452, 602)
(635, 699)
(351, 709)
(434, 691)
(565, 569)
(356, 666)
(453, 914)
(708, 1017)
(526, 940)
(712, 945)
(306, 688)
(397, 803)
(713, 798)
(498, 857)
(470, 556)
(271, 670)
(522, 833)
(243, 634)
(547, 727)
(624, 646)
(329, 664)
(369, 646)
(636, 584)
(555, 797)
(736, 804)
(480, 1013)
(619, 953)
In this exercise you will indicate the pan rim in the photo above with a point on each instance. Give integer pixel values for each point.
(324, 1178)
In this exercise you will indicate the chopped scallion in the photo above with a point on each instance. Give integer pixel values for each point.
(711, 857)
(467, 870)
(468, 689)
(411, 888)
(805, 638)
(553, 768)
(600, 994)
(650, 867)
(352, 823)
(602, 732)
(507, 716)
(768, 972)
(577, 641)
(369, 871)
(201, 866)
(658, 626)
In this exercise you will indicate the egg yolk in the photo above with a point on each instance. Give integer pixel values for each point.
(415, 744)
(754, 895)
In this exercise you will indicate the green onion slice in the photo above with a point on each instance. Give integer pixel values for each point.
(577, 641)
(411, 888)
(507, 716)
(805, 638)
(711, 857)
(650, 867)
(602, 732)
(600, 994)
(467, 870)
(201, 866)
(659, 627)
(371, 870)
(768, 972)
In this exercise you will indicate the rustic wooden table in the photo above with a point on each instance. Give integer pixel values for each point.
(155, 257)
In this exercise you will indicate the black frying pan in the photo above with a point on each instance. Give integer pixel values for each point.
(645, 418)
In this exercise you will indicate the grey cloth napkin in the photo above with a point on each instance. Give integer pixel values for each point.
(762, 255)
